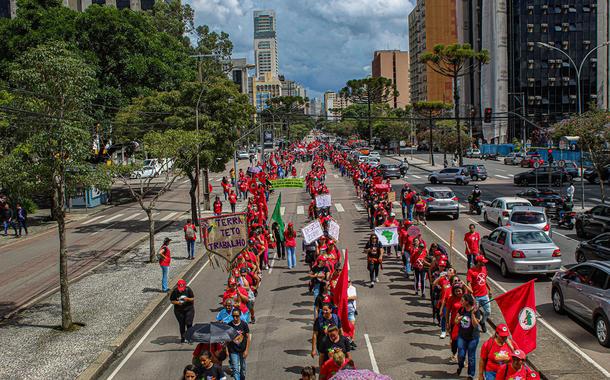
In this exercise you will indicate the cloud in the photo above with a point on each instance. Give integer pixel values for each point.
(322, 43)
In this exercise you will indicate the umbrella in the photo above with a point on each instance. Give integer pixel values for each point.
(413, 231)
(359, 374)
(254, 169)
(215, 332)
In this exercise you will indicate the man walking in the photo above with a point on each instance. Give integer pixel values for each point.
(165, 260)
(7, 219)
(22, 218)
(183, 300)
(190, 235)
(472, 240)
(240, 346)
(570, 192)
(476, 278)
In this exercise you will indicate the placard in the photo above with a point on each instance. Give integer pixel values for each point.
(323, 200)
(312, 231)
(333, 229)
(388, 236)
(392, 196)
(284, 183)
(225, 235)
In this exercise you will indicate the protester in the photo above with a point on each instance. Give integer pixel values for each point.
(183, 299)
(320, 329)
(239, 348)
(516, 369)
(496, 352)
(22, 219)
(165, 258)
(352, 310)
(453, 305)
(334, 364)
(217, 206)
(280, 245)
(420, 210)
(418, 264)
(190, 235)
(319, 274)
(472, 240)
(291, 242)
(476, 278)
(209, 370)
(189, 373)
(374, 257)
(468, 334)
(232, 200)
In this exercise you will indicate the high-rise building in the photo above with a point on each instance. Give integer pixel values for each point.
(8, 8)
(237, 71)
(315, 107)
(431, 22)
(394, 65)
(265, 43)
(292, 88)
(333, 104)
(262, 89)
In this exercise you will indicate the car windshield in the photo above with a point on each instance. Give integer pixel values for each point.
(527, 217)
(530, 237)
(441, 194)
(510, 205)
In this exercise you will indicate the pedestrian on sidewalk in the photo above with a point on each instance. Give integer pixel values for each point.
(516, 368)
(239, 348)
(225, 187)
(472, 240)
(468, 334)
(374, 257)
(217, 206)
(418, 263)
(476, 278)
(183, 299)
(232, 200)
(570, 192)
(290, 236)
(165, 258)
(8, 219)
(22, 219)
(420, 209)
(495, 352)
(190, 235)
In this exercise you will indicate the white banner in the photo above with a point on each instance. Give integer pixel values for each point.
(323, 200)
(312, 231)
(388, 236)
(333, 229)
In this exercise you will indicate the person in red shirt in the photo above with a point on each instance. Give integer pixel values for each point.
(293, 171)
(165, 259)
(392, 222)
(471, 240)
(217, 206)
(418, 263)
(476, 279)
(225, 187)
(238, 293)
(333, 365)
(496, 351)
(453, 305)
(516, 369)
(232, 200)
(190, 235)
(290, 238)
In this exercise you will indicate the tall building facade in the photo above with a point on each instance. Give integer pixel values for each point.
(265, 43)
(263, 89)
(394, 65)
(8, 8)
(333, 104)
(431, 22)
(237, 71)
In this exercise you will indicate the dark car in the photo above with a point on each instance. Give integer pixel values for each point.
(390, 170)
(593, 222)
(597, 248)
(529, 178)
(590, 174)
(542, 197)
(569, 166)
(477, 172)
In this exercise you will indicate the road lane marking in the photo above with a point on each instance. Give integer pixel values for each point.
(596, 200)
(358, 207)
(134, 349)
(501, 170)
(300, 210)
(93, 219)
(415, 176)
(336, 175)
(168, 216)
(218, 179)
(145, 218)
(369, 347)
(282, 210)
(339, 207)
(187, 181)
(135, 214)
(551, 328)
(567, 237)
(501, 176)
(112, 218)
(272, 261)
(511, 175)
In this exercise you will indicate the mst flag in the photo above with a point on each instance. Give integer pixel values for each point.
(340, 298)
(518, 307)
(277, 216)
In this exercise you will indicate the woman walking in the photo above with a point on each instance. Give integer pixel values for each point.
(290, 236)
(418, 263)
(374, 257)
(468, 334)
(183, 300)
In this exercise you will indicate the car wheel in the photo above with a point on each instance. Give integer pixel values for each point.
(580, 232)
(475, 177)
(580, 257)
(504, 269)
(459, 181)
(557, 299)
(433, 180)
(601, 330)
(456, 216)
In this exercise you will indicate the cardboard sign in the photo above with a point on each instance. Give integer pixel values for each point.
(323, 200)
(333, 229)
(284, 183)
(388, 236)
(225, 235)
(392, 196)
(312, 231)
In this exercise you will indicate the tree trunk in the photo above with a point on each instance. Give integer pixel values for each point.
(206, 187)
(456, 107)
(193, 195)
(431, 143)
(151, 235)
(64, 286)
(602, 190)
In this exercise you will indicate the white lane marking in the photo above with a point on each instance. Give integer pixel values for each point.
(336, 175)
(187, 181)
(501, 176)
(567, 237)
(112, 218)
(218, 179)
(93, 219)
(168, 216)
(282, 210)
(551, 328)
(272, 262)
(475, 221)
(358, 207)
(511, 175)
(501, 170)
(596, 200)
(300, 210)
(416, 176)
(339, 207)
(131, 216)
(371, 353)
(107, 227)
(145, 218)
(133, 350)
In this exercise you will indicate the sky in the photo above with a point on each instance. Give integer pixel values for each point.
(322, 43)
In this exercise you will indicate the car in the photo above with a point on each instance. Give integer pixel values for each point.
(530, 158)
(498, 210)
(390, 170)
(529, 216)
(473, 153)
(513, 158)
(242, 155)
(477, 172)
(543, 197)
(569, 166)
(457, 175)
(155, 163)
(583, 291)
(593, 222)
(372, 161)
(521, 250)
(597, 248)
(590, 174)
(441, 201)
(145, 172)
(541, 176)
(374, 154)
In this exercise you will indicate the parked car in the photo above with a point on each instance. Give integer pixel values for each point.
(593, 222)
(543, 197)
(473, 153)
(477, 172)
(499, 209)
(597, 248)
(528, 178)
(522, 250)
(155, 163)
(459, 176)
(390, 170)
(530, 158)
(441, 200)
(529, 216)
(374, 154)
(583, 291)
(590, 174)
(145, 172)
(513, 158)
(372, 161)
(570, 167)
(242, 155)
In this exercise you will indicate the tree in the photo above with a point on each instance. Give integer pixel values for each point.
(216, 45)
(455, 61)
(592, 128)
(448, 138)
(369, 91)
(431, 110)
(175, 19)
(58, 144)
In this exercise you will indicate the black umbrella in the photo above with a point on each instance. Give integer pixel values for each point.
(215, 332)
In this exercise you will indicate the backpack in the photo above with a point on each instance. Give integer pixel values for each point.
(159, 256)
(190, 233)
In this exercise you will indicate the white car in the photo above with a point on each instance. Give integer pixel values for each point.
(473, 153)
(145, 172)
(374, 154)
(530, 216)
(242, 155)
(499, 209)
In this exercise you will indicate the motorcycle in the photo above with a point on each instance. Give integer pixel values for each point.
(567, 220)
(476, 207)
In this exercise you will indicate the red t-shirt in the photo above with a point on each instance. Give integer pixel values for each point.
(477, 277)
(506, 372)
(417, 258)
(330, 369)
(191, 226)
(290, 239)
(232, 198)
(453, 305)
(164, 262)
(494, 354)
(217, 207)
(232, 293)
(472, 242)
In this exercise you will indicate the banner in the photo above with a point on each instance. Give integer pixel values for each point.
(518, 306)
(391, 196)
(284, 183)
(277, 216)
(323, 200)
(333, 229)
(387, 236)
(312, 231)
(340, 298)
(225, 235)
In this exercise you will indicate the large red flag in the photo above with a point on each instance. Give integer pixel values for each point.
(518, 307)
(340, 298)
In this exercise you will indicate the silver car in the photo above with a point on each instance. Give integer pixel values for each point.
(583, 290)
(459, 176)
(530, 216)
(521, 249)
(441, 200)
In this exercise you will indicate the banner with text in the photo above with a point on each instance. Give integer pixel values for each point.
(388, 236)
(225, 235)
(323, 200)
(312, 231)
(284, 183)
(333, 229)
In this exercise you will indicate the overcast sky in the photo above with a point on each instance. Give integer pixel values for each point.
(322, 43)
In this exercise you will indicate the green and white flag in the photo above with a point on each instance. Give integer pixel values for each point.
(277, 216)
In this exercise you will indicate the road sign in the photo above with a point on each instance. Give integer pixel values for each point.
(561, 163)
(536, 164)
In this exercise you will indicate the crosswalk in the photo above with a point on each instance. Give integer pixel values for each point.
(501, 176)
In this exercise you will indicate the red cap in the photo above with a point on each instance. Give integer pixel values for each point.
(518, 354)
(442, 263)
(502, 330)
(181, 285)
(481, 259)
(232, 281)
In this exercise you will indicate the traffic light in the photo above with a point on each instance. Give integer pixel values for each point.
(487, 116)
(550, 156)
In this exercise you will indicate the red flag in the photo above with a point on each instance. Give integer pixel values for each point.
(340, 298)
(518, 307)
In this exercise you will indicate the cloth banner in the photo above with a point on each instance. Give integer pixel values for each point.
(388, 236)
(323, 200)
(285, 183)
(334, 229)
(277, 216)
(340, 298)
(392, 196)
(312, 231)
(518, 306)
(225, 235)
